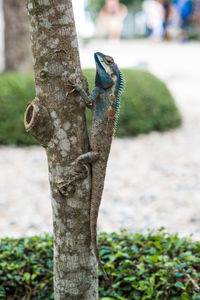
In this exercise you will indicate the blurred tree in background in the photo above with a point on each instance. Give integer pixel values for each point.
(17, 45)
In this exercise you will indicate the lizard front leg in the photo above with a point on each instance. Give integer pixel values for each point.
(89, 100)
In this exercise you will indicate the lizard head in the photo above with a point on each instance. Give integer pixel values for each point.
(107, 72)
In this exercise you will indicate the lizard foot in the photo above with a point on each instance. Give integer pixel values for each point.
(78, 173)
(87, 158)
(76, 87)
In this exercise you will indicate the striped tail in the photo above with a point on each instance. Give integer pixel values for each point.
(97, 190)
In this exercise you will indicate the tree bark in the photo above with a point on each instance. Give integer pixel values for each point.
(17, 46)
(56, 118)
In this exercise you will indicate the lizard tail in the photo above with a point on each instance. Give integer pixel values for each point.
(98, 175)
(97, 189)
(93, 226)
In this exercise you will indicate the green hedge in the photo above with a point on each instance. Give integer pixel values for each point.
(146, 105)
(151, 266)
(16, 90)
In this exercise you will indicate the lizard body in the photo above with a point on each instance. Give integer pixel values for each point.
(104, 102)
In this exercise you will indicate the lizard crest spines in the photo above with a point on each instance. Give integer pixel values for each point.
(119, 89)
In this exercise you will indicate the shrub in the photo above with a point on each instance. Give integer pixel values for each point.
(16, 90)
(146, 105)
(151, 266)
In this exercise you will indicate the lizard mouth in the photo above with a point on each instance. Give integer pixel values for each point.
(99, 62)
(96, 57)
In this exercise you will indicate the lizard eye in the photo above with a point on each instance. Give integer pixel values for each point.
(109, 60)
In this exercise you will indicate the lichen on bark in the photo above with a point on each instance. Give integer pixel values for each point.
(56, 118)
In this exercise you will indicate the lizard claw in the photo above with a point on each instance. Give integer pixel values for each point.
(72, 84)
(76, 86)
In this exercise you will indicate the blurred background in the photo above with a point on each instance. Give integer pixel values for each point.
(153, 174)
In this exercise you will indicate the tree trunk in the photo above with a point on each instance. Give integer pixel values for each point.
(56, 118)
(17, 45)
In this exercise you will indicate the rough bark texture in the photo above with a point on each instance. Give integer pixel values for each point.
(56, 118)
(17, 44)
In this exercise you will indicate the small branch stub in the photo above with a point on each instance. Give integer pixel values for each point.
(30, 116)
(37, 122)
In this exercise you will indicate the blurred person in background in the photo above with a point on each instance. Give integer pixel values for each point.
(196, 17)
(110, 21)
(185, 11)
(155, 16)
(167, 13)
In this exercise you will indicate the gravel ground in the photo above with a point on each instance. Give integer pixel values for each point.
(151, 181)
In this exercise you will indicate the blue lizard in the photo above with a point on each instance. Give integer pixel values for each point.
(104, 102)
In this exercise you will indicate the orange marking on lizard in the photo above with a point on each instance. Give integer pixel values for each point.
(110, 112)
(112, 98)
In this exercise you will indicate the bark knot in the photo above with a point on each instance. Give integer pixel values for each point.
(38, 122)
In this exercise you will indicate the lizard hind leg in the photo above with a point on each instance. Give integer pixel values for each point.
(87, 158)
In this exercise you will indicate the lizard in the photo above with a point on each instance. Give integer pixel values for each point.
(104, 102)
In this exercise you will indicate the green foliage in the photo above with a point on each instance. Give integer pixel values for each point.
(146, 105)
(16, 90)
(151, 266)
(26, 268)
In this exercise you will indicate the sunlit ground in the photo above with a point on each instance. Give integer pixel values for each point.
(152, 180)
